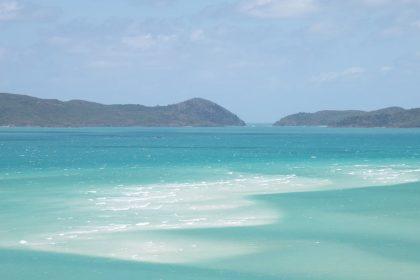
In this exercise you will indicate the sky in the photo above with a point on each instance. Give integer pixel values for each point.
(262, 59)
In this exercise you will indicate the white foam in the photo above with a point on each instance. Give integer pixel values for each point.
(126, 221)
(148, 248)
(369, 175)
(134, 211)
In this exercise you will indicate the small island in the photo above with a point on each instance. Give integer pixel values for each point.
(26, 111)
(392, 117)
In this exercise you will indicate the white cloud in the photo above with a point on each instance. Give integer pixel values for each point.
(9, 10)
(139, 41)
(401, 27)
(352, 72)
(147, 41)
(324, 28)
(386, 69)
(416, 24)
(278, 8)
(378, 3)
(375, 2)
(73, 45)
(2, 53)
(12, 10)
(197, 35)
(392, 31)
(101, 52)
(153, 3)
(106, 64)
(59, 40)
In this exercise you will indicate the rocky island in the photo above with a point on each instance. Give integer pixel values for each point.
(389, 117)
(23, 110)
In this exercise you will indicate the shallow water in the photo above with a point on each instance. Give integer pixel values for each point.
(209, 203)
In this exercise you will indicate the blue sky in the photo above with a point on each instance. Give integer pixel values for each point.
(262, 59)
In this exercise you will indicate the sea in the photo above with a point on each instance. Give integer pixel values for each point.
(255, 202)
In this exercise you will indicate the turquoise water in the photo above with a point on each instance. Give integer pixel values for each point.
(209, 203)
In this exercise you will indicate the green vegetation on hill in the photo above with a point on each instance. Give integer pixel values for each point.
(388, 117)
(23, 110)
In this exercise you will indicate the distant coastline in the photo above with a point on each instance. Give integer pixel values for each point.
(26, 111)
(392, 117)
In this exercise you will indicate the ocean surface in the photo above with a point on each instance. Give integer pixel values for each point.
(209, 203)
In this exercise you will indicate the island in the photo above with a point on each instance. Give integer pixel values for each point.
(392, 117)
(26, 111)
